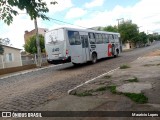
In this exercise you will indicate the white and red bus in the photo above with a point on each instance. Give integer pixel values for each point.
(80, 45)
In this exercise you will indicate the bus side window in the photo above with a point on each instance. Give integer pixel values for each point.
(74, 38)
(111, 38)
(92, 38)
(116, 38)
(105, 38)
(98, 37)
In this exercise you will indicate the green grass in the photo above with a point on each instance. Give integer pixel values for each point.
(138, 98)
(124, 66)
(103, 88)
(135, 79)
(107, 76)
(83, 94)
(112, 89)
(158, 64)
(148, 65)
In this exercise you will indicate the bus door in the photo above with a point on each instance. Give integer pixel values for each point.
(85, 48)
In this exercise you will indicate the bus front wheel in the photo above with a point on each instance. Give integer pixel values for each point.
(94, 58)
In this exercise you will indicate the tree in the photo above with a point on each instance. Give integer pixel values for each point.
(142, 39)
(111, 28)
(34, 8)
(1, 49)
(128, 31)
(4, 41)
(31, 46)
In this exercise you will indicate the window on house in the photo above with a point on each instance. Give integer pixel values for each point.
(9, 57)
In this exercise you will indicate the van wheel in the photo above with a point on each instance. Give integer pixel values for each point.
(94, 58)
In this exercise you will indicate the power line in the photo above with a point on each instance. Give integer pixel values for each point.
(68, 23)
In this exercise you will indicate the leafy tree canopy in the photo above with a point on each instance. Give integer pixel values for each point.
(1, 48)
(111, 28)
(35, 8)
(31, 47)
(142, 38)
(128, 31)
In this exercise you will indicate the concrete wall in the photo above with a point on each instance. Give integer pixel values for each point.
(128, 46)
(11, 57)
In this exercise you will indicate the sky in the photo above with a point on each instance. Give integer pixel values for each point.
(87, 14)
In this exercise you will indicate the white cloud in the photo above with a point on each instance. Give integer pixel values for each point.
(145, 13)
(15, 32)
(94, 3)
(75, 12)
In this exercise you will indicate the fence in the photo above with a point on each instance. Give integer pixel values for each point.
(23, 61)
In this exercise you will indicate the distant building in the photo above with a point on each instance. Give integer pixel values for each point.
(29, 34)
(128, 45)
(10, 58)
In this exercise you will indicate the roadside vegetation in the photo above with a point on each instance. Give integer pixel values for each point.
(125, 66)
(148, 65)
(136, 97)
(135, 79)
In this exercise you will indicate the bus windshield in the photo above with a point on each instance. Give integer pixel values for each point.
(54, 36)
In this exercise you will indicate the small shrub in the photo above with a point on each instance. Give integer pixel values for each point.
(124, 66)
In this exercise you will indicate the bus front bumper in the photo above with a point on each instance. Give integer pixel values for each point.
(60, 60)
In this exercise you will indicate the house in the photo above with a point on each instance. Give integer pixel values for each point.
(29, 34)
(11, 57)
(128, 45)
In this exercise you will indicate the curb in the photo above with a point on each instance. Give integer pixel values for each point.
(28, 71)
(88, 81)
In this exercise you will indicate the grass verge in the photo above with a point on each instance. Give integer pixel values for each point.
(103, 88)
(137, 97)
(83, 94)
(135, 79)
(125, 66)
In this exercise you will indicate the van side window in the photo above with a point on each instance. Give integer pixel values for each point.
(92, 38)
(74, 38)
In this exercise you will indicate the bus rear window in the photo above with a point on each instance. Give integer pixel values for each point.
(74, 38)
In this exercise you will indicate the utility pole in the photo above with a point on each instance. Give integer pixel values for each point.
(38, 45)
(119, 20)
(118, 30)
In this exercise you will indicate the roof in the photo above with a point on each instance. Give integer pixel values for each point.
(11, 47)
(86, 30)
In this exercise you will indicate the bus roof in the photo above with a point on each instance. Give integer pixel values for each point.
(84, 30)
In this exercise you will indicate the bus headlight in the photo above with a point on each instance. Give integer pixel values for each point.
(60, 55)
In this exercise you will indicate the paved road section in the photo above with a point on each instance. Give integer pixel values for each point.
(30, 90)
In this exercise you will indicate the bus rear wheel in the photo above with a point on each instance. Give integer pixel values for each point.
(94, 58)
